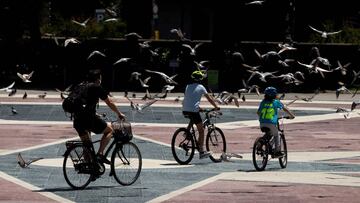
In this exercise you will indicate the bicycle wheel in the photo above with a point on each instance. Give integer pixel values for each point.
(216, 143)
(126, 163)
(260, 154)
(182, 146)
(283, 159)
(77, 171)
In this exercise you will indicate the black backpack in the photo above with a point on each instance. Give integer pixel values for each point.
(76, 100)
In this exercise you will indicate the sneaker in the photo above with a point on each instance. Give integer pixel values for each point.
(278, 154)
(101, 158)
(204, 154)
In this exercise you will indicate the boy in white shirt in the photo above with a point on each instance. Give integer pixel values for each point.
(191, 106)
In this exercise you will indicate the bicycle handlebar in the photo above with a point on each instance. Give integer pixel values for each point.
(284, 117)
(214, 111)
(106, 118)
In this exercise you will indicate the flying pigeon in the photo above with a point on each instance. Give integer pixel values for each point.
(25, 77)
(323, 33)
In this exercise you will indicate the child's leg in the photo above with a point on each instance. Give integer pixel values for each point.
(274, 132)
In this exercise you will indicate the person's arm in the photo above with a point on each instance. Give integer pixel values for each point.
(292, 115)
(212, 101)
(113, 107)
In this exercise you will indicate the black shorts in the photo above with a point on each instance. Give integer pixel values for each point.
(92, 123)
(194, 116)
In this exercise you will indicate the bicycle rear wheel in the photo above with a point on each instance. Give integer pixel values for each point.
(283, 159)
(182, 146)
(216, 143)
(260, 154)
(126, 163)
(77, 171)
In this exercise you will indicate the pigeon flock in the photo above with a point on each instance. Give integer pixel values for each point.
(279, 66)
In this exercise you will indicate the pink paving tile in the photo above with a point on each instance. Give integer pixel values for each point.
(244, 191)
(12, 193)
(22, 136)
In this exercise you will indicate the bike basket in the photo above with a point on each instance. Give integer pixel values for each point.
(122, 131)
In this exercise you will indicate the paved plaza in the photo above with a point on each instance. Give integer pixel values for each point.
(323, 154)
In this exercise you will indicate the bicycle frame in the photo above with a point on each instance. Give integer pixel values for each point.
(92, 149)
(206, 124)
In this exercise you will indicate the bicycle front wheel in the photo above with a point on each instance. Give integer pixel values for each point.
(260, 154)
(77, 171)
(182, 146)
(283, 159)
(216, 143)
(126, 163)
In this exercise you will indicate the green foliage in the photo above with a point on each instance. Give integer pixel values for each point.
(66, 28)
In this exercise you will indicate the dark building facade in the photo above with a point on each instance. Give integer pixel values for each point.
(233, 20)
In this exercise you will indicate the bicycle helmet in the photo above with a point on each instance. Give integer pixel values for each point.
(270, 91)
(197, 75)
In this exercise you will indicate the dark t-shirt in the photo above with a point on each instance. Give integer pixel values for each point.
(92, 94)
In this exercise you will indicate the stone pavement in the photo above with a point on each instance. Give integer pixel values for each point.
(323, 146)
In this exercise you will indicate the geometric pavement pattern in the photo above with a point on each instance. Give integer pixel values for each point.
(323, 163)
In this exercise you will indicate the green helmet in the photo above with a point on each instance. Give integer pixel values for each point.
(197, 75)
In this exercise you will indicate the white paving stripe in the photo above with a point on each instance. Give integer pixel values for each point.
(313, 156)
(316, 178)
(146, 163)
(186, 189)
(33, 188)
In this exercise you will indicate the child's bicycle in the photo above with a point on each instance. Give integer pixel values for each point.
(265, 146)
(81, 166)
(184, 141)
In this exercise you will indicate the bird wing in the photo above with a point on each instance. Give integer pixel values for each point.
(236, 101)
(8, 87)
(76, 22)
(121, 60)
(21, 76)
(21, 161)
(30, 74)
(333, 33)
(316, 30)
(33, 160)
(147, 104)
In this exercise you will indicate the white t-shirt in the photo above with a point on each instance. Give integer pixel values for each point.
(192, 97)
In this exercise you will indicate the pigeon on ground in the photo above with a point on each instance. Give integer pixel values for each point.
(13, 111)
(24, 164)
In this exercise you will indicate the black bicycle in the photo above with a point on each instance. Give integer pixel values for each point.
(265, 146)
(81, 166)
(184, 141)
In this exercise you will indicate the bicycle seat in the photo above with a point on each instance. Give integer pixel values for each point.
(265, 129)
(186, 116)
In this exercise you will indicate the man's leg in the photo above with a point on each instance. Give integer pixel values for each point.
(107, 134)
(86, 140)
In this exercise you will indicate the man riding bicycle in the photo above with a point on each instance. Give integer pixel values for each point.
(86, 120)
(191, 106)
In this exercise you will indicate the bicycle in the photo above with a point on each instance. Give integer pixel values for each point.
(80, 166)
(184, 140)
(265, 146)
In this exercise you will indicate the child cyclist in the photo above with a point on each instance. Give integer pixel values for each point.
(191, 106)
(268, 115)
